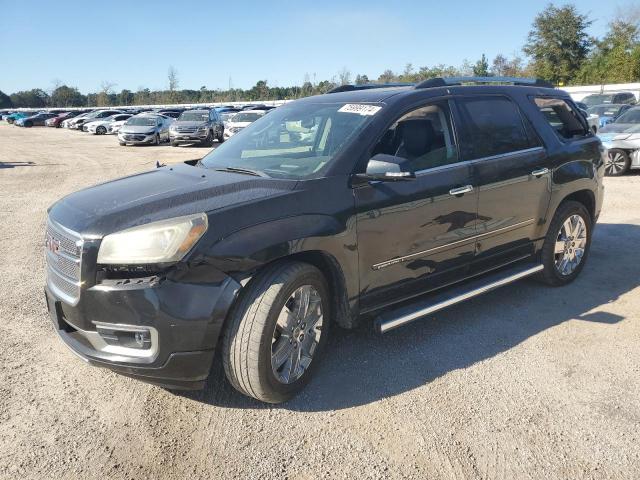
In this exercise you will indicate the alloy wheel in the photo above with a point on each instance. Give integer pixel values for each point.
(615, 164)
(296, 334)
(570, 246)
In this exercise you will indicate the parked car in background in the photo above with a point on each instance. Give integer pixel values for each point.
(603, 98)
(609, 112)
(171, 113)
(241, 120)
(199, 126)
(78, 122)
(621, 139)
(36, 120)
(17, 115)
(107, 125)
(66, 123)
(145, 129)
(56, 121)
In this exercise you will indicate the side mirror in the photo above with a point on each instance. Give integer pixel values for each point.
(387, 168)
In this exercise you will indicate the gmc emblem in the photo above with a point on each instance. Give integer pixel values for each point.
(51, 244)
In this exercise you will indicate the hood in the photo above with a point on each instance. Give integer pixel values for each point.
(238, 124)
(616, 127)
(157, 195)
(137, 128)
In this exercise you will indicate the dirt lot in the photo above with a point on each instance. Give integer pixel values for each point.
(525, 382)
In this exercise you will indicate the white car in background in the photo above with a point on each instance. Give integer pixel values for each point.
(107, 125)
(67, 123)
(240, 120)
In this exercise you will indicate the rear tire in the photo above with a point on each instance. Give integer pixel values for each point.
(270, 324)
(617, 163)
(562, 247)
(101, 130)
(122, 144)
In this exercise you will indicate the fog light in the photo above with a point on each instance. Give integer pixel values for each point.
(138, 339)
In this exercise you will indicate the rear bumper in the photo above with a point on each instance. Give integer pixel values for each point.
(184, 321)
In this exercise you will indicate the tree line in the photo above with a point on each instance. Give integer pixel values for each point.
(558, 49)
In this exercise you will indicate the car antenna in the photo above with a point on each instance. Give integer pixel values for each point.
(158, 164)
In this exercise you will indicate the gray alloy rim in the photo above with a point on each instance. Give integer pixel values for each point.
(615, 163)
(296, 334)
(570, 245)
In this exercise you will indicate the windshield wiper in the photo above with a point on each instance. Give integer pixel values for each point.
(246, 171)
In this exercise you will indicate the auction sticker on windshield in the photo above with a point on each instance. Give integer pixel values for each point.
(360, 109)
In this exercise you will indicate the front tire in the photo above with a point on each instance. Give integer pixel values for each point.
(566, 246)
(277, 331)
(617, 163)
(101, 130)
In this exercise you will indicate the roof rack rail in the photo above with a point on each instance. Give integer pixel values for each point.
(367, 86)
(449, 81)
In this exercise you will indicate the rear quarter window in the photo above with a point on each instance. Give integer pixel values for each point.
(565, 120)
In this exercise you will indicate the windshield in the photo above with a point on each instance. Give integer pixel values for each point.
(631, 116)
(604, 110)
(591, 100)
(226, 117)
(142, 121)
(194, 117)
(246, 117)
(295, 141)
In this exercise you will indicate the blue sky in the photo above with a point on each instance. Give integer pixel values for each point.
(132, 43)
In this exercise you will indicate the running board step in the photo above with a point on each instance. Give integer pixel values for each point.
(394, 318)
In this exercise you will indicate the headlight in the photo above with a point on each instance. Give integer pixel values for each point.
(157, 242)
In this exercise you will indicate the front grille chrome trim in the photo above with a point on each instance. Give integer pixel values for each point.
(63, 255)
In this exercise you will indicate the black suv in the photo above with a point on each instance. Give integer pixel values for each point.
(361, 201)
(200, 126)
(602, 98)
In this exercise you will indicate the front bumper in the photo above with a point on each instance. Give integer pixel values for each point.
(184, 321)
(187, 137)
(136, 138)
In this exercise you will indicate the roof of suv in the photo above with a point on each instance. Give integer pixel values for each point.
(438, 86)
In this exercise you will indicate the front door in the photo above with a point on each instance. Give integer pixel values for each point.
(511, 168)
(416, 235)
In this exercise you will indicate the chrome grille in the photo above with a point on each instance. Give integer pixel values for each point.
(186, 129)
(63, 251)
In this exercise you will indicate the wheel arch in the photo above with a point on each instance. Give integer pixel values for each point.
(585, 197)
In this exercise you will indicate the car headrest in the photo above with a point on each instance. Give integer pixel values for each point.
(417, 135)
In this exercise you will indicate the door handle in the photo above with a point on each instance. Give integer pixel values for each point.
(461, 190)
(540, 172)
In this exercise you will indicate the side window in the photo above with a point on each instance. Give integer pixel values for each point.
(423, 136)
(563, 118)
(491, 126)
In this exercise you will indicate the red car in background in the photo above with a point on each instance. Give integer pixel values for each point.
(57, 121)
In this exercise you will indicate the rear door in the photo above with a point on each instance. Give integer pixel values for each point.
(511, 169)
(416, 235)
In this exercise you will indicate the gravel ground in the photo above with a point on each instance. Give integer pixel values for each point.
(525, 382)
